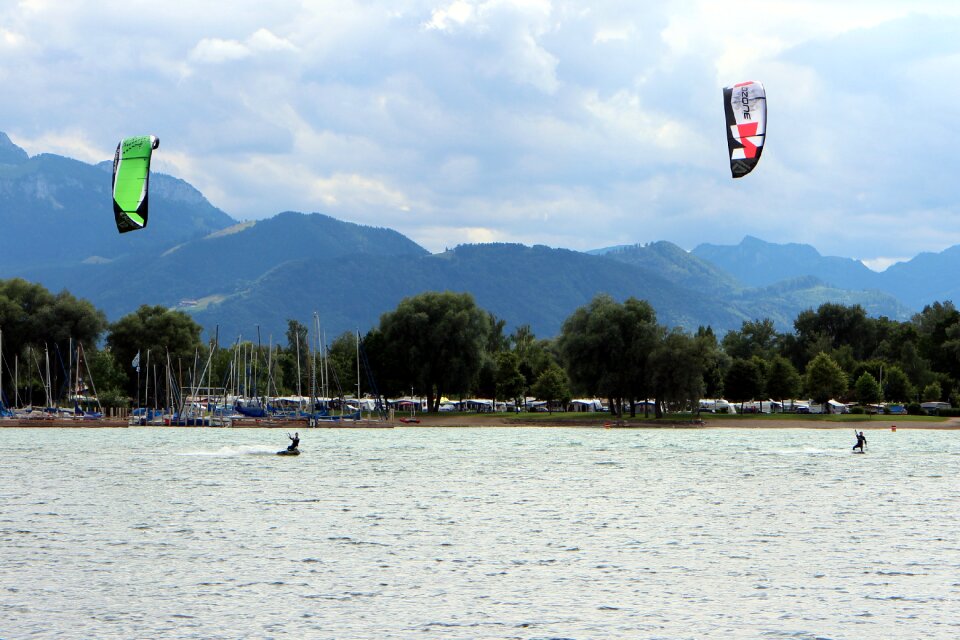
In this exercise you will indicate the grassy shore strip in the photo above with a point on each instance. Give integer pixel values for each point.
(591, 420)
(856, 422)
(675, 421)
(823, 417)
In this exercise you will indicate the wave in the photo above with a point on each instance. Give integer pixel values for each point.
(234, 451)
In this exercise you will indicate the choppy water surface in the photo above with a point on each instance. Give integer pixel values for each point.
(479, 533)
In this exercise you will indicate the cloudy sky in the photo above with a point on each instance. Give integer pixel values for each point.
(570, 124)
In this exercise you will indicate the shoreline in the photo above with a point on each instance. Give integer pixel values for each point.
(455, 421)
(758, 422)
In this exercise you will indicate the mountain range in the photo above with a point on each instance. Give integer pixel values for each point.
(58, 230)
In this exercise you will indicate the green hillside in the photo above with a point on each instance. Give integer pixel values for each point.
(59, 232)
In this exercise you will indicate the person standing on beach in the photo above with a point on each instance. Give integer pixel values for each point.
(861, 440)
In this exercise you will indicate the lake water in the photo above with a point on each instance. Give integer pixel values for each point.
(479, 533)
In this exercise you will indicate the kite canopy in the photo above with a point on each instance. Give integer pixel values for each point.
(745, 105)
(131, 181)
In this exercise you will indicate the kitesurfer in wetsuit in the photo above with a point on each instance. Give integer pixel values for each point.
(860, 440)
(294, 441)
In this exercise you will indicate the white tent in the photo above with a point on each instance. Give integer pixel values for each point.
(837, 407)
(586, 404)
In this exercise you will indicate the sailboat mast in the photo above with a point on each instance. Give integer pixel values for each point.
(46, 384)
(313, 363)
(82, 356)
(299, 394)
(69, 381)
(256, 362)
(359, 406)
(270, 364)
(76, 380)
(146, 388)
(236, 367)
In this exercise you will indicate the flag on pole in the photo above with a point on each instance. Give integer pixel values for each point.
(136, 362)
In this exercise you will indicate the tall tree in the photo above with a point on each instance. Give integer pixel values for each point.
(937, 330)
(536, 356)
(32, 317)
(715, 362)
(510, 382)
(552, 386)
(676, 370)
(155, 329)
(833, 325)
(485, 383)
(783, 379)
(932, 392)
(867, 389)
(438, 341)
(896, 385)
(606, 348)
(341, 365)
(744, 381)
(755, 338)
(825, 379)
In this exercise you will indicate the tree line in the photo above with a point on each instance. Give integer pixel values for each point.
(441, 344)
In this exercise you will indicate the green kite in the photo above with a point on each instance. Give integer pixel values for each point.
(131, 181)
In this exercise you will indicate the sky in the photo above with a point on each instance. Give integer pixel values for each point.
(569, 124)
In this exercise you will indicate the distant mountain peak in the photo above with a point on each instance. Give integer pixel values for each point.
(11, 153)
(759, 263)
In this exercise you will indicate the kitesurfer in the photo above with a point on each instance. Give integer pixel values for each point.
(861, 440)
(294, 441)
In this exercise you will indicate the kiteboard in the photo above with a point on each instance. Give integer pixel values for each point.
(859, 452)
(289, 452)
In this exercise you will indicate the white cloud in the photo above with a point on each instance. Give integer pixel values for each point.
(73, 143)
(509, 34)
(10, 39)
(217, 50)
(881, 263)
(456, 14)
(356, 192)
(264, 40)
(564, 123)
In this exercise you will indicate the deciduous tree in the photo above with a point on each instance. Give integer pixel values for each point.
(825, 379)
(744, 381)
(783, 379)
(867, 389)
(552, 386)
(606, 347)
(437, 341)
(510, 382)
(896, 385)
(155, 329)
